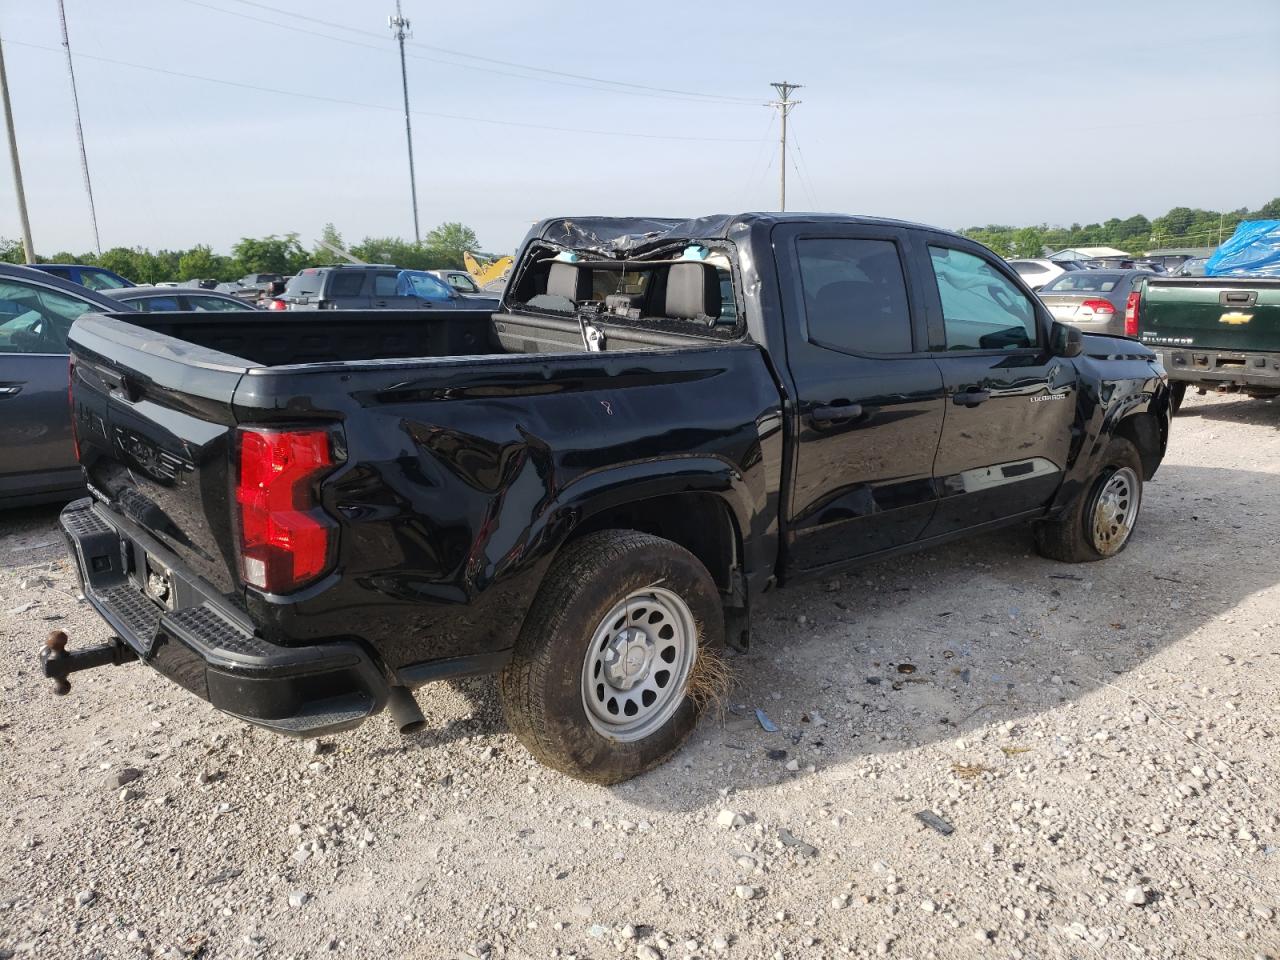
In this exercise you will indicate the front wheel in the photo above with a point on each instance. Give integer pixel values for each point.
(605, 679)
(1101, 522)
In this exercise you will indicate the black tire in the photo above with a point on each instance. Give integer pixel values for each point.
(1177, 393)
(542, 688)
(1071, 539)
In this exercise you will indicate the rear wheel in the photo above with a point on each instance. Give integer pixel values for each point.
(599, 684)
(1101, 522)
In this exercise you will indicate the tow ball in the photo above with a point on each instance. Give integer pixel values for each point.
(57, 662)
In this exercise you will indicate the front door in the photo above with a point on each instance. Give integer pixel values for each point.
(37, 453)
(1010, 403)
(868, 408)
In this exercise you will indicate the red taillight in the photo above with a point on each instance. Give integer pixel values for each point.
(1099, 306)
(277, 305)
(284, 539)
(1131, 315)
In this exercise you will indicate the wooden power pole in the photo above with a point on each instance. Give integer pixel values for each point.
(28, 248)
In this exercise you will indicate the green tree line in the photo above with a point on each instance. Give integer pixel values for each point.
(284, 254)
(1180, 227)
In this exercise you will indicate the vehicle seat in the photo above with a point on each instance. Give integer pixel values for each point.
(693, 291)
(567, 286)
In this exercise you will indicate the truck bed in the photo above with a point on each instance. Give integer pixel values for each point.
(269, 339)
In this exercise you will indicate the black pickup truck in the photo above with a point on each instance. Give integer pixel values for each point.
(300, 518)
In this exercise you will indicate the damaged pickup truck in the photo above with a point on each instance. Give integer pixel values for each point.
(301, 518)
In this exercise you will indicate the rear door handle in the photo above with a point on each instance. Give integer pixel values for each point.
(379, 303)
(970, 398)
(10, 390)
(835, 411)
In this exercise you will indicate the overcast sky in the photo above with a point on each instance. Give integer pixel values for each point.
(951, 113)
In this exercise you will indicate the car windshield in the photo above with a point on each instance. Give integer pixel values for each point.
(101, 280)
(1084, 281)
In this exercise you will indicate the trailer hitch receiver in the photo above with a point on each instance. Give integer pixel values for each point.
(56, 662)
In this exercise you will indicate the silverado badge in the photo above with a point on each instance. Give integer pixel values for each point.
(1235, 319)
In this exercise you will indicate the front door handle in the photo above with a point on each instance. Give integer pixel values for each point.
(835, 411)
(10, 390)
(970, 398)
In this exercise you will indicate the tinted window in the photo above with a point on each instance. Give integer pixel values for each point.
(346, 283)
(305, 284)
(1092, 281)
(36, 320)
(384, 285)
(980, 308)
(205, 304)
(462, 282)
(157, 304)
(855, 295)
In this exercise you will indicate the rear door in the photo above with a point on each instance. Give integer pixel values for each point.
(348, 290)
(37, 452)
(869, 398)
(1010, 403)
(385, 292)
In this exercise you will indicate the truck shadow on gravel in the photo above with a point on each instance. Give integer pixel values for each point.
(931, 647)
(1239, 409)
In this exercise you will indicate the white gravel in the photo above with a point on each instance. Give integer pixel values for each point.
(1087, 731)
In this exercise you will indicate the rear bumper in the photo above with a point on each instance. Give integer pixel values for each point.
(199, 642)
(1221, 367)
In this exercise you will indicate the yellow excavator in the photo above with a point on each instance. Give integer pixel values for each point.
(483, 272)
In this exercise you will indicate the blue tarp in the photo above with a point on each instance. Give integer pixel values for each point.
(1252, 251)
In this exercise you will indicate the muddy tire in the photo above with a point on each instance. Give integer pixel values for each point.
(598, 686)
(1101, 522)
(1177, 393)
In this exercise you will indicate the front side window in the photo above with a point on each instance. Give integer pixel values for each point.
(462, 282)
(415, 283)
(855, 294)
(981, 310)
(35, 319)
(100, 280)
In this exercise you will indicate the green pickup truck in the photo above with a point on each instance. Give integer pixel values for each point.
(1220, 333)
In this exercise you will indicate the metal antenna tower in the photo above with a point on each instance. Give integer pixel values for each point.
(400, 27)
(75, 102)
(784, 103)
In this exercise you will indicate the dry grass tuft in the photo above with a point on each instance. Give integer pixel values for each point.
(710, 681)
(970, 771)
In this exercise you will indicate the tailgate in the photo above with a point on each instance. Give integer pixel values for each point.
(1222, 313)
(154, 426)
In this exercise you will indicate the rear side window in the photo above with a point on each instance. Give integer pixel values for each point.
(981, 310)
(346, 283)
(384, 285)
(1086, 281)
(214, 304)
(855, 295)
(1029, 269)
(157, 304)
(100, 280)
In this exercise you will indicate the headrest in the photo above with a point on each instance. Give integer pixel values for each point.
(568, 281)
(693, 291)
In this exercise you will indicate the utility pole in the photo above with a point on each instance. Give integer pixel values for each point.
(28, 248)
(75, 102)
(784, 103)
(400, 27)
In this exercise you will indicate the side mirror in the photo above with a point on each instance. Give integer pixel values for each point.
(1065, 340)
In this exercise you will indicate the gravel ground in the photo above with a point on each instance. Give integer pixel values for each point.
(1099, 741)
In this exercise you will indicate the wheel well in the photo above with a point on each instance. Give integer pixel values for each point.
(699, 522)
(1146, 433)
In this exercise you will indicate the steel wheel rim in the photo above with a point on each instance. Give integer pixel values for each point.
(1115, 511)
(637, 664)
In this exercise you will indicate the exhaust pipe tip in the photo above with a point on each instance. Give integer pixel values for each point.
(404, 710)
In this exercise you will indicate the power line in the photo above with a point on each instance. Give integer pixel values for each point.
(508, 63)
(802, 169)
(75, 103)
(380, 106)
(400, 28)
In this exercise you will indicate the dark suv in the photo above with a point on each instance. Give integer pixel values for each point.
(377, 286)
